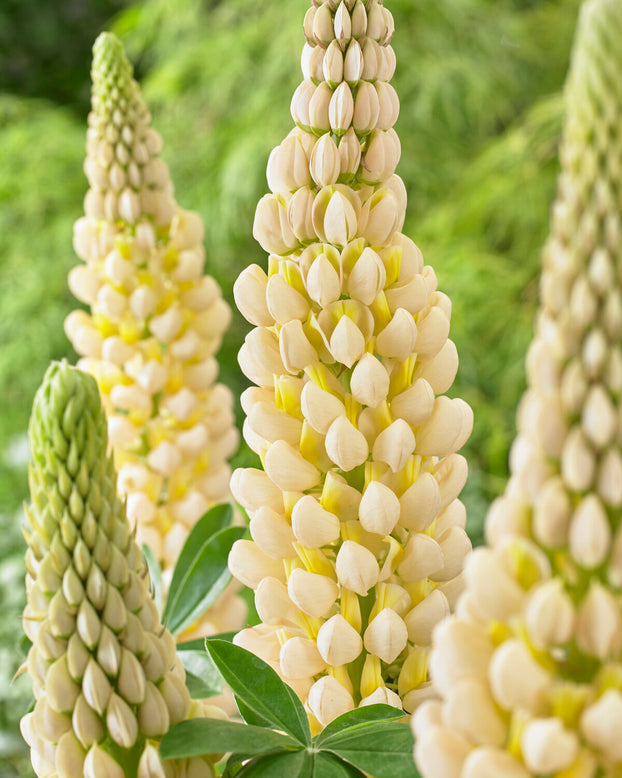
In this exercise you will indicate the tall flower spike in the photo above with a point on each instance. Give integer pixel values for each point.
(530, 668)
(358, 533)
(106, 677)
(155, 321)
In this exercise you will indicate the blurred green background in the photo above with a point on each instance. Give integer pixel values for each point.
(480, 87)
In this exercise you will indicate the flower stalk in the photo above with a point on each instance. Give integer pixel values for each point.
(107, 680)
(358, 533)
(529, 669)
(154, 325)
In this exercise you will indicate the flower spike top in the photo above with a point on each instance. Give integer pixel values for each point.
(155, 320)
(530, 668)
(358, 535)
(106, 677)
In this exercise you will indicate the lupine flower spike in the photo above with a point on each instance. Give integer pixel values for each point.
(530, 668)
(358, 535)
(106, 677)
(155, 321)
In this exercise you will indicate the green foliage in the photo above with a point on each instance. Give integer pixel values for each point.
(201, 571)
(366, 739)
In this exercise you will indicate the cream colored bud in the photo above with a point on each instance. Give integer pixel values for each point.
(411, 294)
(252, 488)
(432, 332)
(323, 24)
(385, 211)
(441, 752)
(357, 568)
(590, 534)
(312, 525)
(366, 108)
(48, 723)
(337, 220)
(323, 282)
(516, 679)
(342, 25)
(95, 687)
(594, 353)
(455, 545)
(173, 690)
(121, 722)
(462, 650)
(551, 514)
(325, 164)
(367, 278)
(379, 510)
(471, 711)
(312, 593)
(441, 369)
(270, 228)
(288, 469)
(609, 479)
(353, 63)
(273, 603)
(381, 156)
(300, 214)
(299, 107)
(598, 418)
(420, 503)
(87, 724)
(600, 724)
(341, 109)
(153, 715)
(422, 557)
(332, 64)
(614, 567)
(389, 104)
(397, 340)
(272, 424)
(262, 641)
(311, 62)
(319, 108)
(423, 618)
(83, 283)
(386, 636)
(349, 153)
(498, 593)
(547, 746)
(489, 762)
(260, 357)
(345, 445)
(300, 658)
(131, 680)
(249, 564)
(69, 758)
(288, 164)
(369, 382)
(440, 433)
(338, 642)
(347, 342)
(382, 696)
(329, 699)
(295, 348)
(415, 404)
(320, 408)
(272, 533)
(394, 445)
(549, 615)
(598, 623)
(150, 765)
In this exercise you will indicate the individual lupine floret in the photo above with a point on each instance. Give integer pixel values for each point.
(155, 322)
(107, 680)
(358, 535)
(530, 668)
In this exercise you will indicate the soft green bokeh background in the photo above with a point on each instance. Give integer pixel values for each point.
(480, 84)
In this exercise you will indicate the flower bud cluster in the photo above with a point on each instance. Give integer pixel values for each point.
(358, 533)
(530, 668)
(107, 680)
(155, 319)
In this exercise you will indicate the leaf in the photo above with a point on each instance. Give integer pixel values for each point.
(196, 737)
(330, 766)
(358, 716)
(201, 584)
(295, 765)
(249, 715)
(382, 749)
(260, 688)
(217, 518)
(155, 575)
(202, 676)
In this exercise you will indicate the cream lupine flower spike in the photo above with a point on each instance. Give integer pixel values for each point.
(358, 533)
(106, 677)
(155, 322)
(530, 668)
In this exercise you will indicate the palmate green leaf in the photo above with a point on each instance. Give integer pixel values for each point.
(155, 575)
(383, 749)
(249, 715)
(260, 689)
(199, 584)
(202, 676)
(196, 737)
(298, 764)
(330, 766)
(357, 717)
